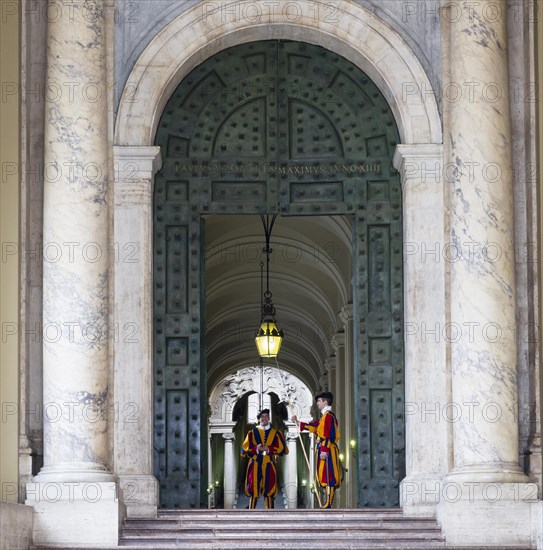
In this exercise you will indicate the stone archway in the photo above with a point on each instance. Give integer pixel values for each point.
(390, 63)
(384, 56)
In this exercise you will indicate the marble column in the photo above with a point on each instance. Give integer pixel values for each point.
(330, 369)
(291, 481)
(338, 344)
(75, 236)
(312, 468)
(339, 405)
(483, 347)
(484, 357)
(134, 169)
(229, 484)
(349, 426)
(210, 492)
(76, 326)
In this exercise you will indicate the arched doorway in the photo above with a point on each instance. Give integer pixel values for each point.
(286, 127)
(233, 404)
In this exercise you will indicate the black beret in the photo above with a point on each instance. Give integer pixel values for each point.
(327, 396)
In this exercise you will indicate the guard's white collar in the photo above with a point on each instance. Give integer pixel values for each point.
(326, 409)
(265, 428)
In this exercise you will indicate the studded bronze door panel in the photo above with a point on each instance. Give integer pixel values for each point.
(260, 128)
(379, 344)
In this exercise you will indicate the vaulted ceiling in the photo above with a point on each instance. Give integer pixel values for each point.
(310, 281)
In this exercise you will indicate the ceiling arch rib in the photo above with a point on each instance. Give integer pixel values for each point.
(294, 257)
(245, 319)
(303, 337)
(306, 312)
(286, 288)
(315, 228)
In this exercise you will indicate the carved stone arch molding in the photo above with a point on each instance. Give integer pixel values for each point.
(353, 32)
(288, 388)
(380, 52)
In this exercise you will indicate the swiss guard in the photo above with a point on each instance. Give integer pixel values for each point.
(262, 446)
(329, 470)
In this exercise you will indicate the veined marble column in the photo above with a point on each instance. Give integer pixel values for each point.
(229, 484)
(75, 236)
(76, 327)
(483, 345)
(292, 467)
(484, 358)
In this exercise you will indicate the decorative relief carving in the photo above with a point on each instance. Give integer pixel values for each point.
(290, 390)
(238, 384)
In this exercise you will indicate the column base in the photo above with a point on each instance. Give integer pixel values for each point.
(140, 495)
(535, 461)
(75, 472)
(499, 472)
(291, 496)
(80, 514)
(479, 513)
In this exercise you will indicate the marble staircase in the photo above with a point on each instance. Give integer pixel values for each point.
(299, 529)
(258, 529)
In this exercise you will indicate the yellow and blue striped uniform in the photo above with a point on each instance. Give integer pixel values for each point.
(261, 475)
(329, 471)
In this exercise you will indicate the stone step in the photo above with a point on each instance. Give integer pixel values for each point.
(280, 516)
(275, 515)
(291, 534)
(279, 546)
(237, 529)
(384, 512)
(300, 529)
(311, 542)
(221, 524)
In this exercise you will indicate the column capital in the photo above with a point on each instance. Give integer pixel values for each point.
(147, 159)
(221, 427)
(419, 162)
(134, 169)
(229, 437)
(346, 313)
(338, 341)
(329, 365)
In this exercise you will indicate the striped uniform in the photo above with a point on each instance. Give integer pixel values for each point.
(261, 476)
(329, 472)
